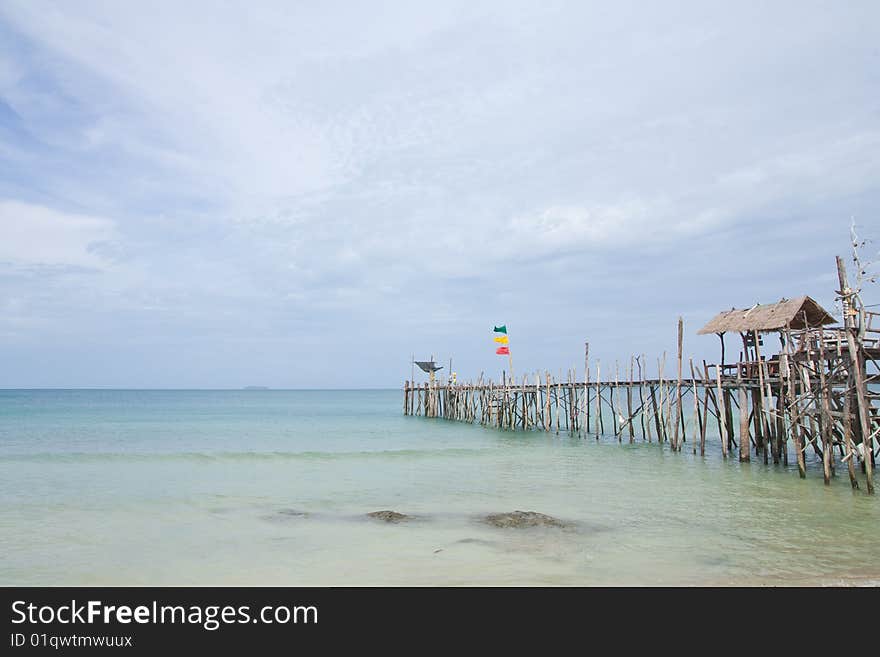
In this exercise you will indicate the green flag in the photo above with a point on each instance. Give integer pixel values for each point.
(500, 329)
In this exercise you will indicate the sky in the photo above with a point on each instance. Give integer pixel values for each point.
(305, 194)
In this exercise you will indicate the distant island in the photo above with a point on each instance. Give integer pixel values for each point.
(255, 388)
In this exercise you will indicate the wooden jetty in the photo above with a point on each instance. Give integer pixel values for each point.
(818, 393)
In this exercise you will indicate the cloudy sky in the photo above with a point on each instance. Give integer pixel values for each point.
(303, 194)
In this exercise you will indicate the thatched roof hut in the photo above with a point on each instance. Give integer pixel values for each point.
(799, 313)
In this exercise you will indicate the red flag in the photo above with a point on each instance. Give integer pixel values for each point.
(503, 351)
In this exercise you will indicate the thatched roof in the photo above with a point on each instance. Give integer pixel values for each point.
(770, 317)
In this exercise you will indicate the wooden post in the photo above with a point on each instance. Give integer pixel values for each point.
(794, 414)
(665, 400)
(781, 430)
(764, 399)
(847, 433)
(557, 407)
(598, 399)
(722, 414)
(547, 404)
(825, 413)
(629, 402)
(642, 401)
(586, 388)
(618, 427)
(757, 412)
(491, 408)
(539, 415)
(859, 379)
(728, 415)
(743, 419)
(676, 441)
(656, 414)
(698, 419)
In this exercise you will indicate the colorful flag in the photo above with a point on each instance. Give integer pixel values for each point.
(500, 329)
(503, 351)
(501, 339)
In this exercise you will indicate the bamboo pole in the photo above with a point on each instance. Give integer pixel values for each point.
(599, 423)
(676, 444)
(586, 388)
(764, 401)
(825, 414)
(547, 420)
(698, 419)
(642, 401)
(538, 403)
(557, 406)
(847, 433)
(791, 368)
(629, 402)
(856, 366)
(656, 414)
(743, 419)
(618, 425)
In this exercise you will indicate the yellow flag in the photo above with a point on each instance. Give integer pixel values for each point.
(501, 339)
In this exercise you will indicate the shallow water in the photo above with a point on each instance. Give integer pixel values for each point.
(272, 488)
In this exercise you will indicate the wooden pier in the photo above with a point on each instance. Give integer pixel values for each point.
(818, 394)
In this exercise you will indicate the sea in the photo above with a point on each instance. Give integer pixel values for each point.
(273, 487)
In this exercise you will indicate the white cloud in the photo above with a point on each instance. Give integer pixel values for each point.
(37, 235)
(293, 162)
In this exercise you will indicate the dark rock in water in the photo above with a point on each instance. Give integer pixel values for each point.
(388, 516)
(293, 513)
(523, 519)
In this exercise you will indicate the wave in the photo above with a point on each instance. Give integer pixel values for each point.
(207, 457)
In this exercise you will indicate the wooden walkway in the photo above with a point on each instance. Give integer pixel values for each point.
(821, 392)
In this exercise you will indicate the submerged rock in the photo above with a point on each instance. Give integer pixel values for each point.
(389, 516)
(293, 513)
(521, 519)
(477, 541)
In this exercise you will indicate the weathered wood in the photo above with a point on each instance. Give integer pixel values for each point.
(860, 385)
(728, 415)
(642, 402)
(547, 419)
(847, 433)
(676, 441)
(815, 390)
(600, 428)
(656, 413)
(764, 399)
(698, 418)
(722, 415)
(557, 408)
(618, 425)
(629, 402)
(743, 420)
(825, 415)
(586, 388)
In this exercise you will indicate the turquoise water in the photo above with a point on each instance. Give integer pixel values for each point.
(104, 487)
